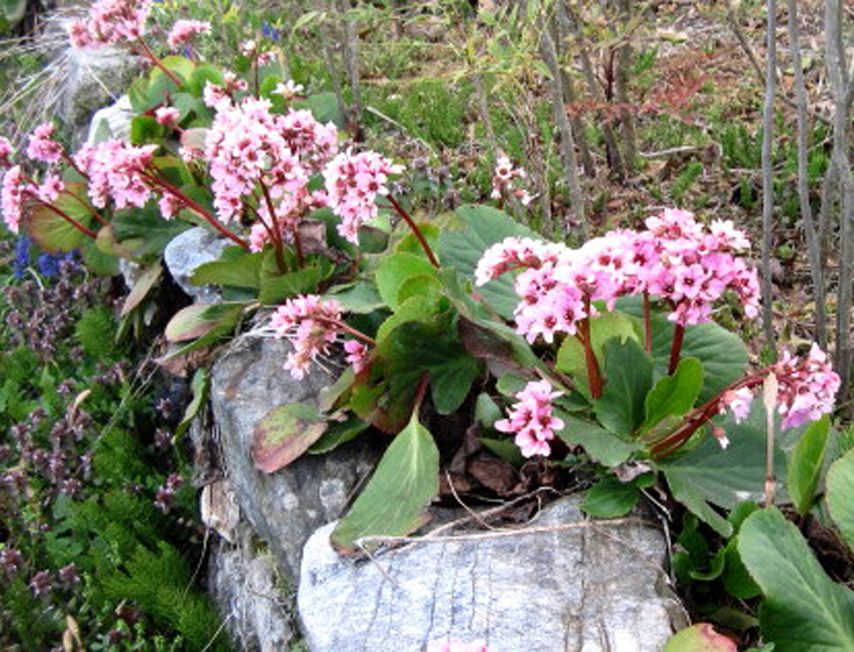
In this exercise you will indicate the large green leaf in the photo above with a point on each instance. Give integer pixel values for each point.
(601, 445)
(463, 250)
(54, 233)
(803, 610)
(628, 379)
(805, 464)
(415, 347)
(284, 434)
(722, 354)
(605, 327)
(144, 226)
(840, 496)
(710, 475)
(610, 498)
(396, 270)
(275, 289)
(393, 502)
(360, 298)
(674, 396)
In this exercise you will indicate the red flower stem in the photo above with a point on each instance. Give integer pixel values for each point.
(647, 324)
(196, 208)
(415, 230)
(337, 323)
(276, 233)
(73, 165)
(89, 208)
(69, 219)
(594, 375)
(676, 348)
(700, 416)
(148, 54)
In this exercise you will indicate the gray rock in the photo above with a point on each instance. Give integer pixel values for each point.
(112, 122)
(244, 583)
(95, 78)
(285, 507)
(585, 589)
(189, 250)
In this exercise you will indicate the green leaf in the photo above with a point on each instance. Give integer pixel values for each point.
(395, 270)
(235, 268)
(600, 444)
(736, 579)
(200, 386)
(700, 638)
(324, 108)
(149, 232)
(275, 289)
(610, 498)
(418, 308)
(486, 412)
(605, 327)
(805, 463)
(674, 396)
(393, 502)
(803, 610)
(722, 354)
(504, 449)
(840, 496)
(200, 319)
(203, 74)
(145, 129)
(284, 434)
(710, 475)
(98, 262)
(360, 298)
(51, 231)
(463, 250)
(628, 375)
(338, 434)
(176, 64)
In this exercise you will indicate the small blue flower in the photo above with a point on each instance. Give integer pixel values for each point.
(48, 265)
(22, 256)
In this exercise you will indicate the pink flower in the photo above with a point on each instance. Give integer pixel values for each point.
(111, 22)
(531, 419)
(50, 189)
(289, 90)
(115, 172)
(6, 151)
(41, 146)
(167, 116)
(170, 206)
(356, 354)
(738, 402)
(310, 327)
(183, 31)
(507, 180)
(353, 182)
(807, 388)
(15, 189)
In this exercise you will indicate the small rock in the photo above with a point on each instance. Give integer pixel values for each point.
(285, 507)
(95, 78)
(190, 250)
(244, 585)
(586, 589)
(112, 122)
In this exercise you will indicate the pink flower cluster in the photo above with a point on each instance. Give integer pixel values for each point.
(353, 182)
(531, 419)
(167, 116)
(507, 181)
(115, 172)
(183, 31)
(289, 210)
(111, 22)
(806, 390)
(15, 189)
(42, 147)
(248, 145)
(309, 324)
(675, 259)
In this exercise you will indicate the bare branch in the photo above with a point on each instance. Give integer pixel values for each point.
(768, 172)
